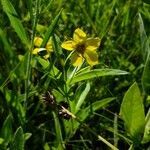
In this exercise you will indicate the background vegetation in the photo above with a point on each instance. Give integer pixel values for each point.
(49, 104)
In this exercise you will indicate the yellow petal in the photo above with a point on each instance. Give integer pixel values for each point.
(47, 56)
(38, 41)
(91, 57)
(41, 52)
(35, 51)
(49, 46)
(92, 43)
(76, 59)
(79, 36)
(68, 45)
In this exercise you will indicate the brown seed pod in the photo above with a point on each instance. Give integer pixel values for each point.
(50, 100)
(64, 113)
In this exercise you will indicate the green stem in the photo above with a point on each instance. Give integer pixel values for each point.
(89, 129)
(98, 136)
(28, 71)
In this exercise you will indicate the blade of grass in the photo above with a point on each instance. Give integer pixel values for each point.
(6, 130)
(29, 5)
(59, 139)
(7, 46)
(51, 29)
(29, 58)
(107, 143)
(82, 114)
(15, 21)
(146, 56)
(96, 106)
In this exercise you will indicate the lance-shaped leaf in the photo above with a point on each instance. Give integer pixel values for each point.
(14, 20)
(146, 56)
(132, 112)
(18, 141)
(51, 29)
(95, 73)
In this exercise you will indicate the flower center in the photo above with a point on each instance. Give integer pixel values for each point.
(80, 48)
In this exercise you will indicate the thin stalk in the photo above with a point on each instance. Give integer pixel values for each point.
(116, 130)
(107, 143)
(7, 79)
(28, 71)
(29, 3)
(89, 129)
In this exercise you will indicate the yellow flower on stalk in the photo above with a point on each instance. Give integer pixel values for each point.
(84, 48)
(45, 52)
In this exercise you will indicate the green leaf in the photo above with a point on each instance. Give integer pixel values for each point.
(46, 65)
(58, 95)
(146, 137)
(132, 112)
(146, 77)
(144, 39)
(146, 56)
(59, 139)
(21, 67)
(6, 131)
(27, 136)
(57, 46)
(43, 62)
(15, 21)
(95, 73)
(18, 141)
(82, 97)
(84, 113)
(46, 146)
(1, 141)
(84, 70)
(7, 47)
(51, 29)
(77, 97)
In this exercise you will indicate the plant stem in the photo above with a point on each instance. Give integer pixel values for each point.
(29, 58)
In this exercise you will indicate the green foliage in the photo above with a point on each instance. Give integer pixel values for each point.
(82, 96)
(132, 112)
(84, 113)
(146, 56)
(81, 109)
(59, 139)
(15, 21)
(6, 130)
(96, 73)
(18, 140)
(51, 29)
(146, 137)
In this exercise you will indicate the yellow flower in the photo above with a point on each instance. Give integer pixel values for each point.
(45, 52)
(85, 48)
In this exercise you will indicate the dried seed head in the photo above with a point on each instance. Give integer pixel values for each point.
(49, 99)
